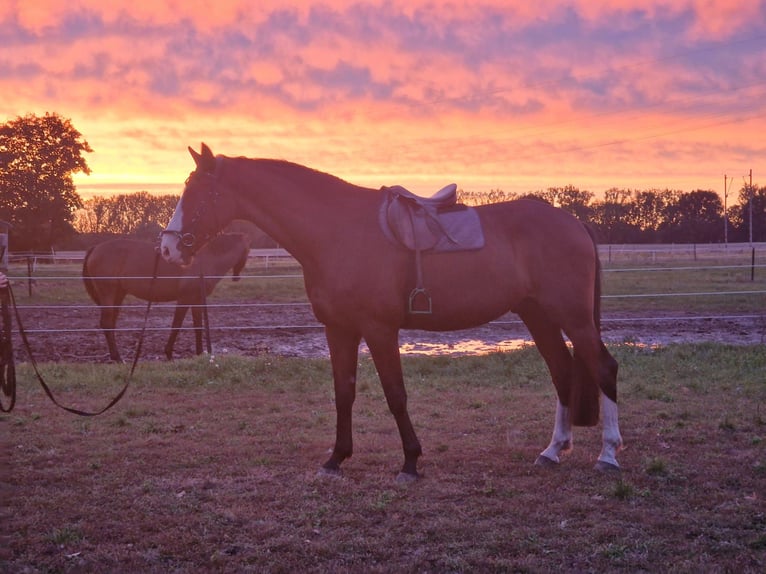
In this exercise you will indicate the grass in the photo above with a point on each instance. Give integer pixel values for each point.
(208, 464)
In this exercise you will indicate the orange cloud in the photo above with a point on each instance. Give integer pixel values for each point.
(489, 94)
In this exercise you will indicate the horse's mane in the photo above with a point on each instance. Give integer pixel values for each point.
(300, 174)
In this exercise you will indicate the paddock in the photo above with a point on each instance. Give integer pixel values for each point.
(183, 475)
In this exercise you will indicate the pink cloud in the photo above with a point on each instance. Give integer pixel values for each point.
(499, 94)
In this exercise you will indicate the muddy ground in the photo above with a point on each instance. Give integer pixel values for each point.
(71, 334)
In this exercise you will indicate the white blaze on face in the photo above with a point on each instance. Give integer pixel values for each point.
(169, 242)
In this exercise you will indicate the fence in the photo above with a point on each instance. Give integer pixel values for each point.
(645, 289)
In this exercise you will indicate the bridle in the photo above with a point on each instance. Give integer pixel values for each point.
(188, 242)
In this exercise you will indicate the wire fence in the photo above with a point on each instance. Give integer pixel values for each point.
(715, 284)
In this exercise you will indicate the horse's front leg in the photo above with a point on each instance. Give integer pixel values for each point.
(384, 348)
(344, 352)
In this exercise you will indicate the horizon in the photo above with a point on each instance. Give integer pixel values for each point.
(488, 95)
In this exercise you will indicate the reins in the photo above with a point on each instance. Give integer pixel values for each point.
(8, 368)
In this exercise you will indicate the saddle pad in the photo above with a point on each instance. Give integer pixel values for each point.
(455, 228)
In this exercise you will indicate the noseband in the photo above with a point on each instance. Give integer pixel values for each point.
(188, 241)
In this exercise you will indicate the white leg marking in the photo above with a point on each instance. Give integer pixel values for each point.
(612, 441)
(561, 441)
(169, 242)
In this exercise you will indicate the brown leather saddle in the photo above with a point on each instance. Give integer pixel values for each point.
(434, 224)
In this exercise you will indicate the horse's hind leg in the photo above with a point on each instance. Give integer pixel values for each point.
(197, 321)
(178, 319)
(550, 343)
(596, 365)
(611, 438)
(108, 323)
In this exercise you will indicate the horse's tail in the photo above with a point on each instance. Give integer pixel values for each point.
(585, 391)
(87, 278)
(597, 279)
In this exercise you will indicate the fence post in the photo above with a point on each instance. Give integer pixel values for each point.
(29, 275)
(752, 265)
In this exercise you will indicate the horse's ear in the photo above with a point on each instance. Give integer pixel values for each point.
(205, 161)
(195, 156)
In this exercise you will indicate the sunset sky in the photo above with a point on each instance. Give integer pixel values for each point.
(489, 94)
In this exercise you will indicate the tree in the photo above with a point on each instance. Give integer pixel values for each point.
(740, 213)
(575, 201)
(38, 156)
(610, 216)
(139, 214)
(697, 217)
(483, 197)
(648, 211)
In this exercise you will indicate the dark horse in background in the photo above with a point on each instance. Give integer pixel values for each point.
(537, 261)
(119, 267)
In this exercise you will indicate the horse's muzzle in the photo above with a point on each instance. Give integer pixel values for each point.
(181, 250)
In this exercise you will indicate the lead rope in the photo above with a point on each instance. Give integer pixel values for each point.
(7, 365)
(22, 332)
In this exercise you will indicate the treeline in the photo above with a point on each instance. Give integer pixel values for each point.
(653, 216)
(138, 214)
(622, 216)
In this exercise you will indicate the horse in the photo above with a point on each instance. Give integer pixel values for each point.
(537, 261)
(118, 267)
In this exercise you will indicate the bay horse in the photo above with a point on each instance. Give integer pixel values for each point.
(537, 261)
(118, 267)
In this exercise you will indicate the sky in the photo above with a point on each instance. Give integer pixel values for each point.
(488, 94)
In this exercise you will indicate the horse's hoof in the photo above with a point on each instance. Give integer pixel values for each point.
(607, 467)
(407, 478)
(546, 462)
(329, 472)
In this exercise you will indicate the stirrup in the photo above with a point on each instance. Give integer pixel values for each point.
(415, 295)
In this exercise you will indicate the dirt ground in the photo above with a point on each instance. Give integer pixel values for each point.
(221, 476)
(70, 334)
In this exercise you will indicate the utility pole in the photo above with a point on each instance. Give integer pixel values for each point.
(725, 210)
(750, 189)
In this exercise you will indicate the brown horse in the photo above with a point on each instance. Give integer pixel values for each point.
(537, 261)
(119, 267)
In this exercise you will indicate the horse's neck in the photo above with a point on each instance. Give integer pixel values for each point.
(301, 209)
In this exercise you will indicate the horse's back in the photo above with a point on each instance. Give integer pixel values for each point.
(128, 265)
(532, 251)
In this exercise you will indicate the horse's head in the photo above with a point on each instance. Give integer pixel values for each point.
(195, 221)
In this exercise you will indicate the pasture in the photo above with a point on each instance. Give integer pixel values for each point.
(209, 463)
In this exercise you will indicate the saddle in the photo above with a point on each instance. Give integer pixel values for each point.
(435, 224)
